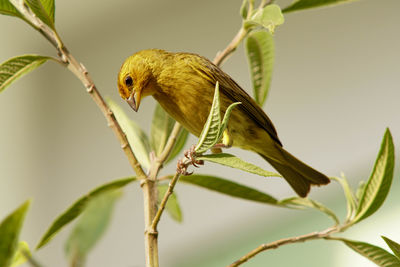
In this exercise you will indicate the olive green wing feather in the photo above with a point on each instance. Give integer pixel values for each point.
(233, 91)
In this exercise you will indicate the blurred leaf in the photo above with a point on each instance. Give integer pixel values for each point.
(395, 247)
(179, 144)
(210, 132)
(348, 193)
(161, 128)
(78, 207)
(136, 136)
(376, 254)
(244, 8)
(44, 10)
(172, 206)
(19, 257)
(16, 67)
(269, 17)
(230, 188)
(306, 4)
(6, 8)
(237, 163)
(260, 53)
(306, 202)
(91, 225)
(379, 183)
(10, 229)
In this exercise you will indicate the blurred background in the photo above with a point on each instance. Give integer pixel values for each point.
(335, 89)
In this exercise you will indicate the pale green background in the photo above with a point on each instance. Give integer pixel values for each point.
(335, 88)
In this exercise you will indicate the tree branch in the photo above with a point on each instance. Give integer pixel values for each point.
(82, 74)
(291, 240)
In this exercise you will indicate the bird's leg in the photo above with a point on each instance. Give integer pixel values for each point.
(183, 164)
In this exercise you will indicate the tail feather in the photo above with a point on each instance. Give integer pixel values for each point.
(299, 175)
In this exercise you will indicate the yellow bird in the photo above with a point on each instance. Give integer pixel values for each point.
(184, 85)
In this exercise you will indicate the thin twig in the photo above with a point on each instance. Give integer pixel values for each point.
(80, 72)
(325, 234)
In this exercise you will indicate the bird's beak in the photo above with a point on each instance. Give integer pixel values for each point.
(134, 100)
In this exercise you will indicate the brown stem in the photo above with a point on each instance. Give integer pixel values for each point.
(222, 56)
(297, 239)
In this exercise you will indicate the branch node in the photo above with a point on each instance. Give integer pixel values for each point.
(90, 88)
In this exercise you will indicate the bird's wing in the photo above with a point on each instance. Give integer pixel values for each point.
(233, 91)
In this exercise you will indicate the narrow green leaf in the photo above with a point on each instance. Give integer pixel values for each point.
(306, 4)
(348, 193)
(379, 183)
(91, 225)
(45, 14)
(16, 67)
(269, 17)
(78, 207)
(375, 254)
(209, 134)
(237, 163)
(298, 202)
(360, 190)
(6, 8)
(49, 6)
(225, 120)
(179, 144)
(19, 257)
(10, 229)
(260, 51)
(173, 207)
(230, 188)
(244, 8)
(394, 246)
(161, 128)
(136, 136)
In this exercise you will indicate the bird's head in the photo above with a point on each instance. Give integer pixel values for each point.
(135, 79)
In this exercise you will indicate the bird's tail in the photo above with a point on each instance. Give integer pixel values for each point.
(299, 175)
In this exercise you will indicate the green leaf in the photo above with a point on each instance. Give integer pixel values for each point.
(49, 7)
(10, 229)
(16, 67)
(136, 136)
(19, 257)
(237, 163)
(269, 17)
(6, 8)
(230, 188)
(91, 225)
(78, 207)
(225, 120)
(179, 144)
(375, 254)
(379, 183)
(306, 4)
(209, 134)
(348, 193)
(298, 202)
(161, 128)
(44, 10)
(260, 50)
(244, 8)
(394, 246)
(172, 206)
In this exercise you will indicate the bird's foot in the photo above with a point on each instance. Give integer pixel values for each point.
(189, 159)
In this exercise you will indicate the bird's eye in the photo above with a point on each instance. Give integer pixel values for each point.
(128, 81)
